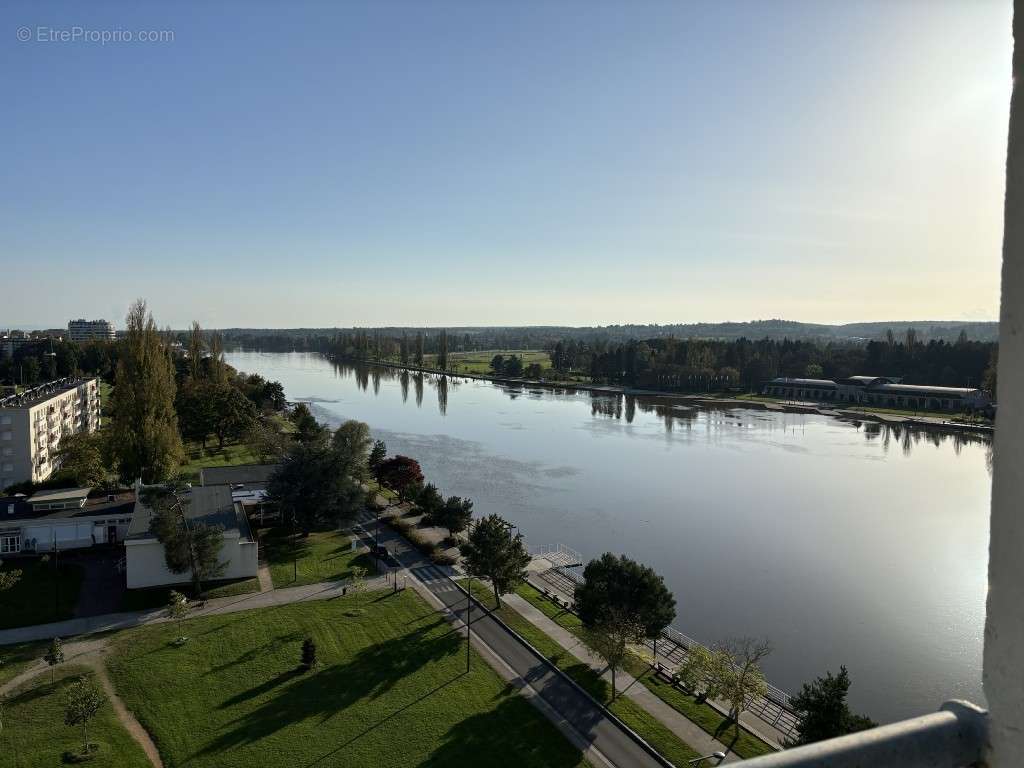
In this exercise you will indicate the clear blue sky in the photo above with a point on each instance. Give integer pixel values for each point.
(476, 163)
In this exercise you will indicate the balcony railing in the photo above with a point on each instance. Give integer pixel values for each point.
(953, 737)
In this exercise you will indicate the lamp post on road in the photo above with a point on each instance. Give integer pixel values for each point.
(469, 616)
(719, 756)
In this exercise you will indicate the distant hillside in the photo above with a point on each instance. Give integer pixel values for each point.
(533, 337)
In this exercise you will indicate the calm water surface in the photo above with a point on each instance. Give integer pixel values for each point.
(841, 543)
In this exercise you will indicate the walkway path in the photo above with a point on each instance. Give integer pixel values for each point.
(90, 653)
(113, 621)
(263, 574)
(625, 683)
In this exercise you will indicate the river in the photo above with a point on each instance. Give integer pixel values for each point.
(841, 543)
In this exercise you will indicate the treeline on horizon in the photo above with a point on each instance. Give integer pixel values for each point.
(668, 363)
(477, 338)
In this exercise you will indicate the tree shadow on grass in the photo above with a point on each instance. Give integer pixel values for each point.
(254, 653)
(513, 733)
(328, 691)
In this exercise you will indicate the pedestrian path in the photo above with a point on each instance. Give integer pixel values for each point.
(114, 621)
(625, 683)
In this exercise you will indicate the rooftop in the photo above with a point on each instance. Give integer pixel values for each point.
(18, 508)
(59, 494)
(42, 393)
(211, 505)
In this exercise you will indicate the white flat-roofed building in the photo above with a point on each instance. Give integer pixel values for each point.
(145, 564)
(33, 422)
(90, 330)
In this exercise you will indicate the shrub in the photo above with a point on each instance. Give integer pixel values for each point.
(443, 558)
(308, 654)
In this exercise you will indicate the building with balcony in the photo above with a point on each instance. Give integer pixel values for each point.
(90, 330)
(33, 422)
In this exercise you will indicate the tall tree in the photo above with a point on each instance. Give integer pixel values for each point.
(218, 371)
(233, 414)
(82, 701)
(81, 457)
(195, 351)
(823, 711)
(315, 484)
(493, 553)
(351, 442)
(307, 428)
(378, 453)
(623, 592)
(418, 353)
(402, 475)
(442, 351)
(144, 425)
(430, 501)
(403, 350)
(455, 515)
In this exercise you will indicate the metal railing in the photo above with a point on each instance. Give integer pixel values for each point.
(953, 737)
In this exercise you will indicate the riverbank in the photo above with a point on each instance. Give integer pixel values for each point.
(939, 422)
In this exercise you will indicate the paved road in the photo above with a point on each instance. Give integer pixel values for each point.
(589, 720)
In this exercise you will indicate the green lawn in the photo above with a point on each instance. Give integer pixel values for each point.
(34, 734)
(41, 596)
(158, 597)
(744, 744)
(230, 455)
(391, 689)
(15, 658)
(480, 362)
(322, 556)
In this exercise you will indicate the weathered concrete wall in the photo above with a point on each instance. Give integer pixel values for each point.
(1004, 626)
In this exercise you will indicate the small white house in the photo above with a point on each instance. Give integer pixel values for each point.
(145, 565)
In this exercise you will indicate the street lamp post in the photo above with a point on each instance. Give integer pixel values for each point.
(719, 756)
(469, 616)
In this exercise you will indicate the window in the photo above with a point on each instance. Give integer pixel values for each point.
(10, 543)
(8, 467)
(5, 419)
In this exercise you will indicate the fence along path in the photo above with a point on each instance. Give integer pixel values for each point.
(566, 571)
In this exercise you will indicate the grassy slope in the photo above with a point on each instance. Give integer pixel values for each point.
(34, 734)
(32, 600)
(391, 689)
(323, 556)
(635, 716)
(745, 744)
(231, 455)
(15, 658)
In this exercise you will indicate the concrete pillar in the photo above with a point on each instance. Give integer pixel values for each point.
(1004, 625)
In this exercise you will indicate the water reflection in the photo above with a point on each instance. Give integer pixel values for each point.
(671, 411)
(835, 539)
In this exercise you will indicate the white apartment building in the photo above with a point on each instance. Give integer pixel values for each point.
(32, 424)
(88, 330)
